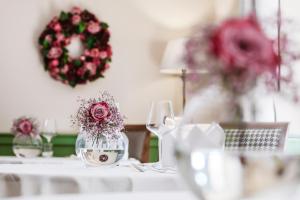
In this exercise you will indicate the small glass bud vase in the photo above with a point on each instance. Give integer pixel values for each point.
(27, 145)
(103, 150)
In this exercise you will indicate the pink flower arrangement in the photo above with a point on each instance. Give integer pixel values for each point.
(58, 34)
(236, 53)
(25, 126)
(99, 116)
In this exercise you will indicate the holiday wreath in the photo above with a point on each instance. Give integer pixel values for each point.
(58, 34)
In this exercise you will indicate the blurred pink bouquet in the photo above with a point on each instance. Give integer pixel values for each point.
(236, 53)
(25, 126)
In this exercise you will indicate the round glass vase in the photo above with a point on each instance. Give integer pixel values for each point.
(27, 145)
(103, 150)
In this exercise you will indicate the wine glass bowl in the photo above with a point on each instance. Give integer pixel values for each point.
(48, 131)
(160, 122)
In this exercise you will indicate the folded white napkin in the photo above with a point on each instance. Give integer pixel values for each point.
(204, 136)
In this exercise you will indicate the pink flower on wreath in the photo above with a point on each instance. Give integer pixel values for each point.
(76, 10)
(65, 69)
(48, 38)
(67, 41)
(93, 27)
(99, 111)
(80, 72)
(25, 127)
(95, 53)
(87, 52)
(82, 58)
(76, 19)
(54, 63)
(241, 44)
(55, 52)
(96, 61)
(60, 37)
(57, 27)
(109, 51)
(103, 54)
(91, 67)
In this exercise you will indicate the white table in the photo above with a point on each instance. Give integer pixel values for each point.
(40, 176)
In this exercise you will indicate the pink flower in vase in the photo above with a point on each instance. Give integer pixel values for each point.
(240, 43)
(99, 111)
(55, 52)
(93, 27)
(25, 127)
(76, 19)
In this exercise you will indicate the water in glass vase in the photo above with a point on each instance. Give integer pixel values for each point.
(96, 157)
(104, 150)
(27, 146)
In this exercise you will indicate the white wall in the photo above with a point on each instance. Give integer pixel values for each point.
(140, 30)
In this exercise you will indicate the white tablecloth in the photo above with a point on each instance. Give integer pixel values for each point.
(40, 176)
(174, 195)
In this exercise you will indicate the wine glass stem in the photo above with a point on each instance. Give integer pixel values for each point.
(160, 151)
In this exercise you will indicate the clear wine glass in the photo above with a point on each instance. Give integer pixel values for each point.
(160, 122)
(48, 131)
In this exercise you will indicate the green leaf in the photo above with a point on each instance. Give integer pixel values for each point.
(81, 27)
(77, 63)
(104, 25)
(65, 58)
(72, 83)
(63, 16)
(63, 76)
(46, 44)
(90, 42)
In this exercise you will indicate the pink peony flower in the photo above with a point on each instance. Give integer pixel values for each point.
(76, 19)
(25, 127)
(55, 52)
(240, 43)
(95, 53)
(76, 10)
(93, 27)
(103, 54)
(99, 111)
